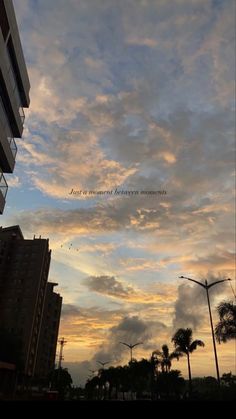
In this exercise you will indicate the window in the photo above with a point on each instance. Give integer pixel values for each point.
(7, 106)
(4, 24)
(15, 68)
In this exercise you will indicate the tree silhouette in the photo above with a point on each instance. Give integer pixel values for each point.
(184, 343)
(92, 388)
(107, 381)
(141, 373)
(225, 329)
(61, 380)
(169, 384)
(165, 357)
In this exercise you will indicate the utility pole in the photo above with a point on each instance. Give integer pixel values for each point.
(62, 342)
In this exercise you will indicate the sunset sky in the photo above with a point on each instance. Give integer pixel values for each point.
(136, 95)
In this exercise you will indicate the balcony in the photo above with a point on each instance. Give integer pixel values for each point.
(14, 86)
(3, 191)
(8, 148)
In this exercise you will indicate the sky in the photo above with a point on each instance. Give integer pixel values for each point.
(130, 96)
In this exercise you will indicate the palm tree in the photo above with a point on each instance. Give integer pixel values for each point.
(226, 328)
(184, 343)
(140, 376)
(169, 384)
(165, 357)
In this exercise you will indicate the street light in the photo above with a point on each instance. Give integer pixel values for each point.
(103, 363)
(93, 371)
(131, 348)
(206, 286)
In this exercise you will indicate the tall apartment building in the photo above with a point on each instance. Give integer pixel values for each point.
(29, 309)
(14, 92)
(49, 332)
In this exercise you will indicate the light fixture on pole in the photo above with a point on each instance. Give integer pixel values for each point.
(103, 363)
(130, 346)
(206, 286)
(93, 371)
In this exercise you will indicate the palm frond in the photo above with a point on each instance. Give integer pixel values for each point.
(156, 352)
(195, 344)
(183, 338)
(226, 308)
(176, 355)
(180, 350)
(225, 330)
(165, 351)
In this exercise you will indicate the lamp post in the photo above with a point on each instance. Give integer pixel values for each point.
(131, 348)
(103, 363)
(93, 371)
(206, 286)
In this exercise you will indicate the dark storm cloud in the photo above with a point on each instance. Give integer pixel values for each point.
(108, 285)
(191, 305)
(70, 310)
(131, 329)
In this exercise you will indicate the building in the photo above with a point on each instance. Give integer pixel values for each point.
(14, 93)
(29, 309)
(7, 380)
(49, 332)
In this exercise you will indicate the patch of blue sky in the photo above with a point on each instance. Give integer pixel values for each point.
(63, 270)
(219, 4)
(95, 299)
(31, 197)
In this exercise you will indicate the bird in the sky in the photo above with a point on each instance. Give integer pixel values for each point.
(70, 247)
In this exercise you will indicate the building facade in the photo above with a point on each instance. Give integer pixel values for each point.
(29, 309)
(14, 92)
(48, 332)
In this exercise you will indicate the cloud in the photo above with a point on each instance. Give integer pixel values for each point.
(191, 304)
(131, 329)
(14, 182)
(67, 155)
(80, 371)
(151, 122)
(69, 310)
(86, 327)
(104, 248)
(140, 264)
(147, 42)
(141, 100)
(94, 334)
(222, 260)
(109, 286)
